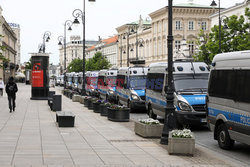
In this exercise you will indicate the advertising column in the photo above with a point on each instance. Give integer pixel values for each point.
(40, 76)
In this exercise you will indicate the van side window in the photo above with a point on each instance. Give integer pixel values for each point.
(120, 81)
(230, 84)
(155, 81)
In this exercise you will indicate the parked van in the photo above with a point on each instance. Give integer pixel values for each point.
(190, 81)
(75, 82)
(61, 80)
(107, 84)
(91, 83)
(58, 80)
(69, 78)
(80, 82)
(131, 85)
(228, 99)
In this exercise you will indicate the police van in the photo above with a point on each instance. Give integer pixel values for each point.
(190, 81)
(75, 82)
(80, 82)
(91, 83)
(228, 100)
(130, 87)
(107, 84)
(69, 79)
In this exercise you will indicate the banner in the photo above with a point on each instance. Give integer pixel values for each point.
(37, 75)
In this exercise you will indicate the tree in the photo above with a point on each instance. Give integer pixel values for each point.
(98, 62)
(75, 65)
(235, 38)
(28, 65)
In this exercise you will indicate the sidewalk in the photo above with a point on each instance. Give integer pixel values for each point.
(30, 137)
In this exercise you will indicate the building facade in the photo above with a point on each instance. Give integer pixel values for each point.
(9, 41)
(188, 20)
(16, 28)
(238, 9)
(109, 49)
(74, 50)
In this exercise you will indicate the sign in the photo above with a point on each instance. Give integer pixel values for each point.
(37, 75)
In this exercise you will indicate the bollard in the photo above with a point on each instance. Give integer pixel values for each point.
(50, 95)
(57, 103)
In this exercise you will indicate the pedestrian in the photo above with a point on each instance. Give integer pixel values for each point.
(11, 89)
(1, 87)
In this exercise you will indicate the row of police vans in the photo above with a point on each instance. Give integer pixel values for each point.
(219, 98)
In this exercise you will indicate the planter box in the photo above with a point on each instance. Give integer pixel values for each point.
(81, 99)
(182, 146)
(121, 115)
(145, 130)
(76, 98)
(90, 104)
(96, 107)
(65, 119)
(103, 110)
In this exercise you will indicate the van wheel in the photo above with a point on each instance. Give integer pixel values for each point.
(151, 113)
(129, 106)
(223, 137)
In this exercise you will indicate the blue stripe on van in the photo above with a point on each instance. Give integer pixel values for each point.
(234, 117)
(122, 95)
(156, 101)
(102, 91)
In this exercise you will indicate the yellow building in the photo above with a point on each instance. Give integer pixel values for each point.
(151, 36)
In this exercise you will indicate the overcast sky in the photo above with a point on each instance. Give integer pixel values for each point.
(102, 17)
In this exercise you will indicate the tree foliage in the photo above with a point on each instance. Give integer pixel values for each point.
(235, 38)
(98, 62)
(28, 65)
(75, 66)
(3, 60)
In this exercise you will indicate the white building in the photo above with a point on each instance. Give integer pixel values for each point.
(16, 28)
(73, 50)
(238, 9)
(108, 47)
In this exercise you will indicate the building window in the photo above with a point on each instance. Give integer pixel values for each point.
(204, 25)
(155, 48)
(178, 25)
(190, 25)
(159, 51)
(159, 27)
(177, 45)
(191, 47)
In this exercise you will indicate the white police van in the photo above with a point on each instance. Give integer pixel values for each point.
(75, 82)
(130, 87)
(190, 81)
(91, 83)
(228, 100)
(69, 79)
(107, 84)
(61, 83)
(80, 81)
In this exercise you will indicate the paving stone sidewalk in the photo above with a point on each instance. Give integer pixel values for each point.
(30, 137)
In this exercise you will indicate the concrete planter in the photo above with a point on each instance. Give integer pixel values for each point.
(76, 98)
(182, 146)
(81, 99)
(103, 110)
(146, 130)
(96, 107)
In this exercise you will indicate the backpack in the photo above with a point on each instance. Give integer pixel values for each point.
(11, 88)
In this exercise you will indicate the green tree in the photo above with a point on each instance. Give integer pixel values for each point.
(75, 65)
(3, 60)
(235, 38)
(28, 65)
(98, 62)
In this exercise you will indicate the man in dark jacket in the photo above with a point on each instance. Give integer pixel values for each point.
(11, 89)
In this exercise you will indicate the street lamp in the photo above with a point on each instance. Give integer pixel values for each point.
(46, 38)
(77, 13)
(170, 116)
(68, 24)
(213, 4)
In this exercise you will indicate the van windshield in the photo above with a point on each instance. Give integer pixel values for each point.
(191, 85)
(69, 79)
(138, 82)
(75, 80)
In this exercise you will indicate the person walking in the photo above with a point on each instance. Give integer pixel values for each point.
(11, 89)
(1, 87)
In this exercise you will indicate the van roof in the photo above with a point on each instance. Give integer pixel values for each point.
(236, 59)
(180, 67)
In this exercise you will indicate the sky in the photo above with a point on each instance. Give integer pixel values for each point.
(102, 18)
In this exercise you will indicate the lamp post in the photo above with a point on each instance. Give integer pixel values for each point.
(46, 38)
(213, 4)
(77, 13)
(170, 117)
(68, 24)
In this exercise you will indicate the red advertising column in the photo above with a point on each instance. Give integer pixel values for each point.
(40, 77)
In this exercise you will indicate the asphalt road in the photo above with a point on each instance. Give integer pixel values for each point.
(204, 137)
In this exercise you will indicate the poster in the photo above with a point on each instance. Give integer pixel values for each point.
(37, 75)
